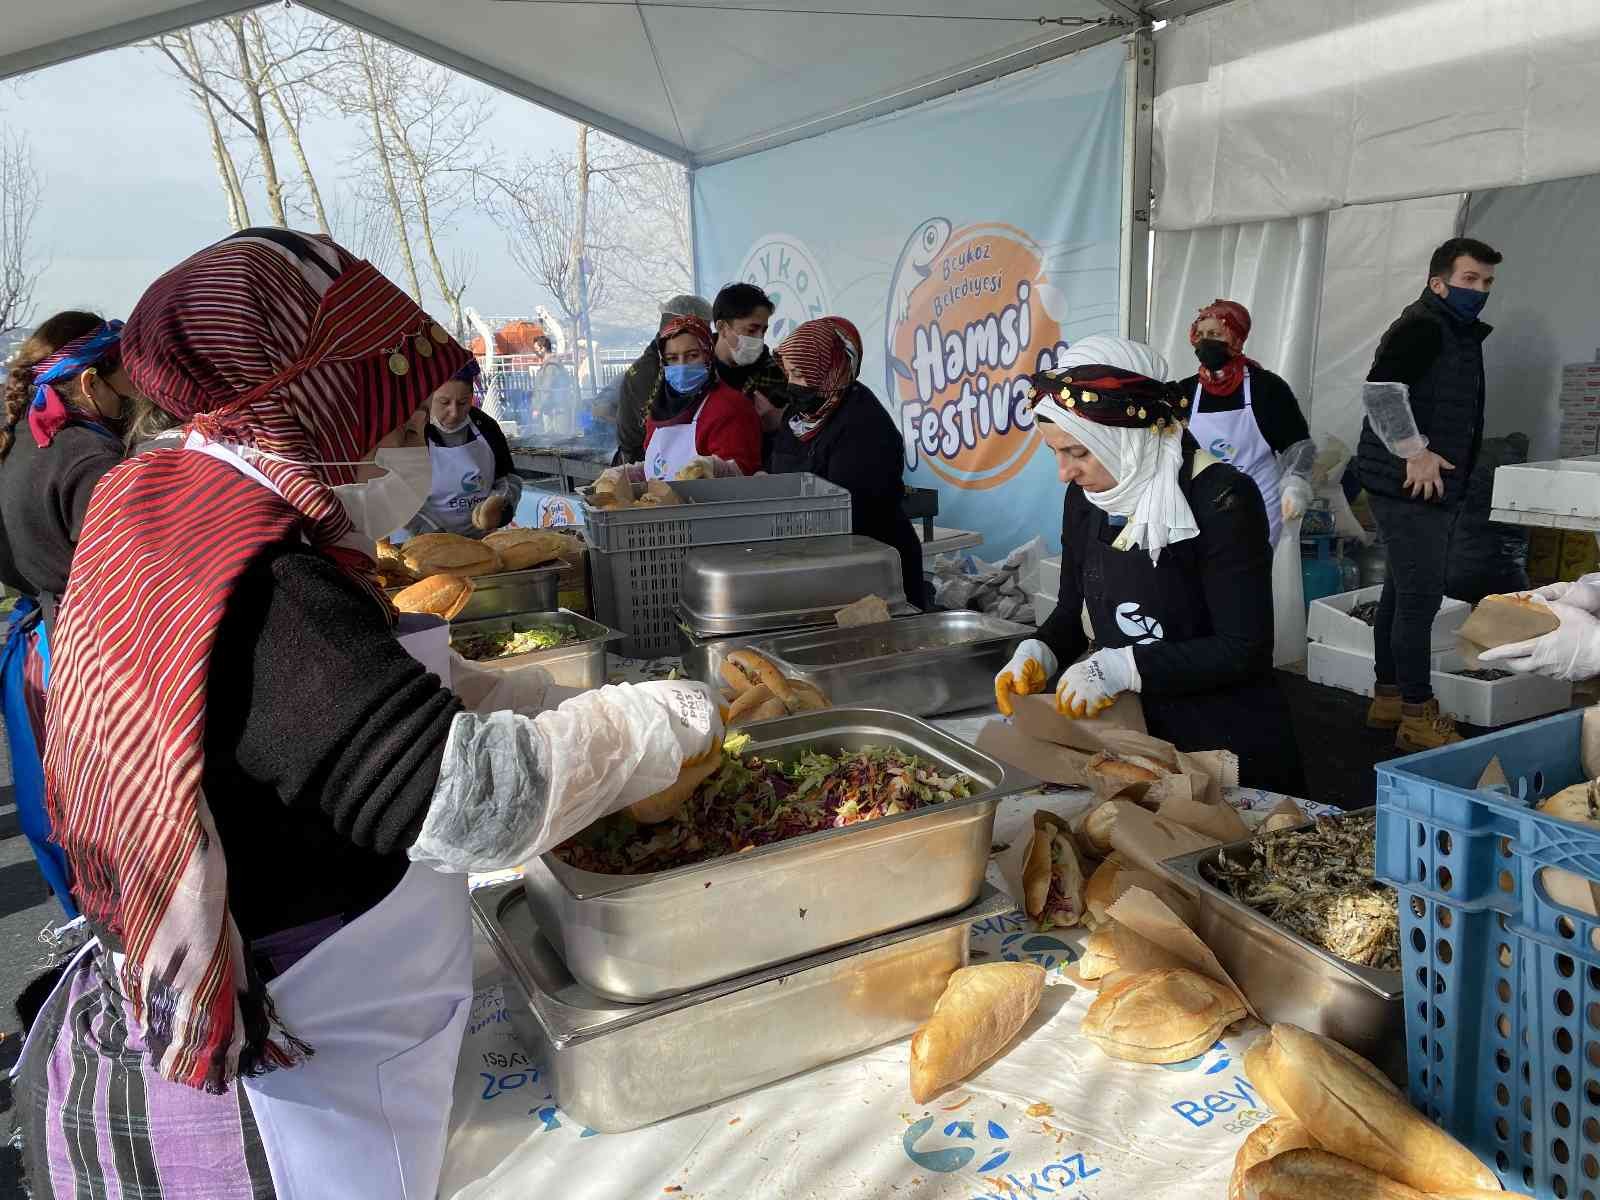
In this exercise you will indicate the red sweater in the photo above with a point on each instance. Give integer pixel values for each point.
(729, 428)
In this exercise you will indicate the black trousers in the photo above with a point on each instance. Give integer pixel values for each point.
(1416, 537)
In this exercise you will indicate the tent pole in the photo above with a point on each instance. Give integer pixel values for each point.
(1138, 149)
(694, 241)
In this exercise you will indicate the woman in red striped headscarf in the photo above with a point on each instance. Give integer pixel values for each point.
(831, 424)
(265, 803)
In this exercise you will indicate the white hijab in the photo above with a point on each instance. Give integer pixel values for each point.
(1145, 462)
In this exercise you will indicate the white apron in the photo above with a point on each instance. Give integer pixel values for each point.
(384, 1003)
(1235, 438)
(672, 448)
(462, 478)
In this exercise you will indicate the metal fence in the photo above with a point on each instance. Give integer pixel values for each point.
(548, 398)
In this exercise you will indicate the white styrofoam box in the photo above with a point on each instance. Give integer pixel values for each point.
(1050, 576)
(1044, 603)
(1564, 494)
(1330, 623)
(1490, 703)
(1487, 703)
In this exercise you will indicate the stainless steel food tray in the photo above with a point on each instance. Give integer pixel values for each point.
(786, 583)
(580, 664)
(923, 665)
(617, 1068)
(637, 938)
(1290, 980)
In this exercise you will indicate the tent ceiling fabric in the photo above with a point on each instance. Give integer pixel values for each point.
(1277, 108)
(700, 86)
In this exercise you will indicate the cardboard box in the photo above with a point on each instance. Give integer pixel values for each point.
(1330, 623)
(1482, 702)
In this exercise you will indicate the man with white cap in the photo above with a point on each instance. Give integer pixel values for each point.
(1168, 549)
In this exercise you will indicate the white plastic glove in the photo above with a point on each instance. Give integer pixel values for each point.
(511, 787)
(1584, 594)
(1296, 494)
(1388, 409)
(1026, 674)
(1090, 687)
(709, 466)
(1570, 652)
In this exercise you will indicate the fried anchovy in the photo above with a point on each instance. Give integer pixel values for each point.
(1319, 884)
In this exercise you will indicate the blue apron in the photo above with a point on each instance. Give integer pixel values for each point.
(27, 766)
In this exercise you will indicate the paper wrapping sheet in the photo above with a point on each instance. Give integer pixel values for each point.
(1052, 1117)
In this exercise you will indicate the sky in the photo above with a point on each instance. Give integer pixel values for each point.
(131, 190)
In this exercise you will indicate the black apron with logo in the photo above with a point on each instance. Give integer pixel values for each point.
(1131, 600)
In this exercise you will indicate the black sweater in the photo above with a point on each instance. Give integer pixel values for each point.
(44, 493)
(1273, 402)
(323, 742)
(860, 450)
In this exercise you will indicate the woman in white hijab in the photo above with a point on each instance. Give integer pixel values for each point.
(1167, 548)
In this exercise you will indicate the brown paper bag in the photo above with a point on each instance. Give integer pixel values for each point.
(1143, 913)
(1037, 717)
(1500, 621)
(1042, 760)
(1145, 840)
(1214, 820)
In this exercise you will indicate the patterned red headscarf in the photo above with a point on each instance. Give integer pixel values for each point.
(827, 353)
(270, 340)
(1235, 319)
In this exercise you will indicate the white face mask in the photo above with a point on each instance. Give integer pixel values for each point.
(747, 349)
(378, 507)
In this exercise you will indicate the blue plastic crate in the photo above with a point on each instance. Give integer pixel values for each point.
(1502, 982)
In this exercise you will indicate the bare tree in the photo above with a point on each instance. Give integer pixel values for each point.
(652, 198)
(20, 189)
(361, 94)
(291, 55)
(184, 53)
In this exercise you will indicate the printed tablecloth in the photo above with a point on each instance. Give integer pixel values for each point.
(1052, 1117)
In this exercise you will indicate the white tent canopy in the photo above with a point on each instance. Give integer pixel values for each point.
(700, 81)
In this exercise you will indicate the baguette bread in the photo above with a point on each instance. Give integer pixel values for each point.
(759, 670)
(1317, 1175)
(521, 549)
(983, 1008)
(438, 595)
(1165, 1015)
(1095, 831)
(1345, 1101)
(1052, 874)
(449, 553)
(1277, 1136)
(1129, 768)
(1114, 877)
(747, 702)
(1114, 947)
(669, 802)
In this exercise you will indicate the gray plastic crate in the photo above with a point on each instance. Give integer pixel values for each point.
(717, 511)
(636, 591)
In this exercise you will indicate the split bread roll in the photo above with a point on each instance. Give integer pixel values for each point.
(1317, 1175)
(520, 549)
(1052, 874)
(657, 494)
(669, 802)
(449, 554)
(438, 595)
(983, 1008)
(1114, 947)
(1580, 803)
(1162, 1016)
(1277, 1136)
(1140, 834)
(1114, 877)
(1126, 768)
(1346, 1102)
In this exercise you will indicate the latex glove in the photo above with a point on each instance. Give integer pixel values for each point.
(1026, 674)
(512, 786)
(1584, 594)
(490, 514)
(709, 466)
(1296, 494)
(1090, 687)
(1570, 652)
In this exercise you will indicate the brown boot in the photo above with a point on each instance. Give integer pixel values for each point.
(1384, 711)
(1424, 727)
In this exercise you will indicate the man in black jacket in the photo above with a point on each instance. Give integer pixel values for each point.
(1424, 401)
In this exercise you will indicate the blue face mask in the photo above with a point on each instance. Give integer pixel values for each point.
(1466, 303)
(687, 378)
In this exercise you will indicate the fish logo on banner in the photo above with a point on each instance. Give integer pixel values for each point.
(787, 271)
(956, 1145)
(971, 314)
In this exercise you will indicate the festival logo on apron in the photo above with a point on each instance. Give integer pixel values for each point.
(1134, 623)
(1222, 449)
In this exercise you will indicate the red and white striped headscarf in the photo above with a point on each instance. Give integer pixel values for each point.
(270, 340)
(827, 353)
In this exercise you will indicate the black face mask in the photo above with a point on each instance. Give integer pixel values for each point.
(1213, 353)
(798, 401)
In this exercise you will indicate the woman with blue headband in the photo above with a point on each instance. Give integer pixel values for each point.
(66, 398)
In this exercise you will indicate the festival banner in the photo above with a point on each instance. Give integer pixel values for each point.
(971, 240)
